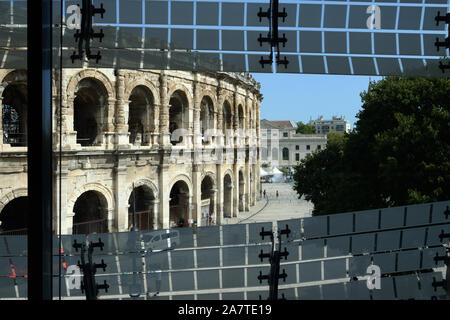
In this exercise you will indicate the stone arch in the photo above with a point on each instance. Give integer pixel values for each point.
(210, 94)
(145, 83)
(141, 114)
(105, 191)
(182, 177)
(211, 175)
(143, 182)
(89, 73)
(16, 193)
(230, 173)
(172, 88)
(13, 76)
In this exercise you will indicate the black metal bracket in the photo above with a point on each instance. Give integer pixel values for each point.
(87, 33)
(272, 14)
(437, 284)
(443, 235)
(441, 258)
(445, 43)
(89, 269)
(274, 258)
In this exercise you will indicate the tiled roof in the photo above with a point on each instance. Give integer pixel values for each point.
(278, 124)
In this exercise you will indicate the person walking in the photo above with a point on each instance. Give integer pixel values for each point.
(277, 194)
(264, 193)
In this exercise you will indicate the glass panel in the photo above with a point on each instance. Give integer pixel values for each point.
(312, 249)
(208, 279)
(335, 291)
(208, 236)
(433, 234)
(208, 258)
(183, 280)
(357, 290)
(309, 293)
(182, 259)
(358, 265)
(418, 214)
(255, 251)
(386, 292)
(233, 296)
(392, 217)
(210, 296)
(292, 249)
(426, 284)
(388, 240)
(341, 224)
(315, 227)
(386, 262)
(157, 261)
(407, 287)
(439, 209)
(253, 274)
(232, 278)
(295, 225)
(413, 238)
(408, 261)
(257, 295)
(335, 269)
(363, 243)
(291, 273)
(366, 221)
(233, 256)
(207, 14)
(339, 246)
(310, 271)
(254, 230)
(234, 234)
(429, 255)
(288, 294)
(158, 282)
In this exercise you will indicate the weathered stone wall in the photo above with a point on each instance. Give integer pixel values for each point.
(111, 164)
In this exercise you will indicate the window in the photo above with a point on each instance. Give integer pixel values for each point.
(285, 154)
(297, 157)
(297, 147)
(285, 134)
(319, 147)
(308, 147)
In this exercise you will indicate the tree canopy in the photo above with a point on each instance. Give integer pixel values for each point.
(305, 128)
(397, 154)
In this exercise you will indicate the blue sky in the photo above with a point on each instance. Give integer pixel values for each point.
(301, 96)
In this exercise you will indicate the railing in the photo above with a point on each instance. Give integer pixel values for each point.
(15, 139)
(93, 226)
(144, 220)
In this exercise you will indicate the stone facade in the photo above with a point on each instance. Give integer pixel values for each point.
(162, 134)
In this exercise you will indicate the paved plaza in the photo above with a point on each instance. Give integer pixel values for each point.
(286, 206)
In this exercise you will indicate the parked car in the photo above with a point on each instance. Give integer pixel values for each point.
(160, 240)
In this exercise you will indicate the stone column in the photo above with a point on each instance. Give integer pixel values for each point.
(220, 195)
(246, 187)
(164, 193)
(121, 209)
(196, 117)
(164, 112)
(156, 224)
(213, 198)
(122, 112)
(197, 194)
(63, 200)
(235, 209)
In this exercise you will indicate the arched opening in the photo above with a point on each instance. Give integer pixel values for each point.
(178, 116)
(14, 217)
(241, 117)
(91, 213)
(227, 124)
(15, 114)
(241, 191)
(142, 201)
(206, 119)
(140, 115)
(89, 105)
(227, 196)
(207, 199)
(179, 205)
(285, 154)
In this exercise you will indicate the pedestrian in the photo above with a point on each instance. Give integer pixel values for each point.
(277, 194)
(264, 193)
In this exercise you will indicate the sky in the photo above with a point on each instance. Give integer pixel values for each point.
(301, 96)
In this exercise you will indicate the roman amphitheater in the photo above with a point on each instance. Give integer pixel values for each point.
(177, 148)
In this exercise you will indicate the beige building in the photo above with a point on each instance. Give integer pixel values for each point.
(282, 147)
(186, 143)
(323, 126)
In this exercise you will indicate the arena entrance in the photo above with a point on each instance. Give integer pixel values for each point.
(178, 117)
(14, 114)
(14, 217)
(91, 214)
(179, 205)
(143, 200)
(140, 116)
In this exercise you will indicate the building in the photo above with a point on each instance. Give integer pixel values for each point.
(177, 147)
(338, 124)
(281, 146)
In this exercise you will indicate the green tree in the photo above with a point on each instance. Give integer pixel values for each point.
(305, 128)
(398, 153)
